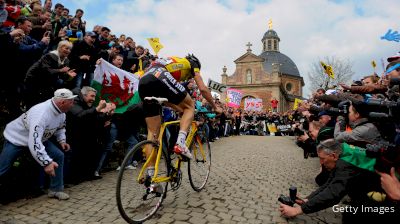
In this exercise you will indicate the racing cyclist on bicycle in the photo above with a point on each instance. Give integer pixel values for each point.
(162, 80)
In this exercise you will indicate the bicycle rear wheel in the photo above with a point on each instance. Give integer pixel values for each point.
(199, 167)
(135, 199)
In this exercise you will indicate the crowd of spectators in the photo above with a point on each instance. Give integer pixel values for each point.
(354, 130)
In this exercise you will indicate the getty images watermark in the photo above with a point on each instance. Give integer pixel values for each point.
(363, 209)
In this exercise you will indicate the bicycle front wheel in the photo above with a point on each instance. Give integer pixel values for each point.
(136, 198)
(199, 167)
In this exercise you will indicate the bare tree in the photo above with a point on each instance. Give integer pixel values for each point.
(341, 68)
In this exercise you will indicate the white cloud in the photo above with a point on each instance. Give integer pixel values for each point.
(217, 33)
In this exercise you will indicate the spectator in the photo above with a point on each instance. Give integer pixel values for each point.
(102, 42)
(3, 12)
(33, 130)
(9, 94)
(65, 13)
(135, 58)
(84, 124)
(274, 105)
(109, 54)
(47, 6)
(73, 31)
(52, 71)
(40, 24)
(83, 57)
(13, 12)
(57, 20)
(82, 24)
(121, 39)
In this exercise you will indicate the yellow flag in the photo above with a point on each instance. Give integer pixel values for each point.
(296, 103)
(373, 63)
(328, 70)
(155, 44)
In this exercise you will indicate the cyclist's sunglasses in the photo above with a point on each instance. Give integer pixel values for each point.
(392, 68)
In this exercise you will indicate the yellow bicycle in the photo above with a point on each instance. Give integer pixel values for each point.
(138, 198)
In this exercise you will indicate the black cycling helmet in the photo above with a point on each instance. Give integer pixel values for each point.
(194, 62)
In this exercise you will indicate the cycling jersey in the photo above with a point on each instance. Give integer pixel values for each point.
(179, 68)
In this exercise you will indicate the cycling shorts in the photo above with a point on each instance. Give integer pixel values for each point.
(158, 82)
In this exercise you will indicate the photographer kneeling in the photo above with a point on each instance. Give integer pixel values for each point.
(335, 188)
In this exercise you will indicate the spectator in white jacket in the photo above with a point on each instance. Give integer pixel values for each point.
(32, 130)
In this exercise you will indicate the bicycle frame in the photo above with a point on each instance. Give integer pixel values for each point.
(189, 141)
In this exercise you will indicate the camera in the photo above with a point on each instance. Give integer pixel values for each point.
(387, 155)
(289, 200)
(298, 132)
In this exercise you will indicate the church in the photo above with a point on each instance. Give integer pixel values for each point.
(269, 75)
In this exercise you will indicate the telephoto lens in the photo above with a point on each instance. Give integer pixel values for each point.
(293, 193)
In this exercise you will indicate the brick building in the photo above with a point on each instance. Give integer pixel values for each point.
(268, 75)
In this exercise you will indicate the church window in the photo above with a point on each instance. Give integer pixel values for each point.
(248, 77)
(289, 86)
(275, 45)
(269, 45)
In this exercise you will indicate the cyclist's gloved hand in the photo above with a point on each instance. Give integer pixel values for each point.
(195, 64)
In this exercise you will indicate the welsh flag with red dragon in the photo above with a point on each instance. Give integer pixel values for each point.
(116, 86)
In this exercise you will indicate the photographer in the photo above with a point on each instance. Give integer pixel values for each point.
(309, 141)
(362, 131)
(335, 188)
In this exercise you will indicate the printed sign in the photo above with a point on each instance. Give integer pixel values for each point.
(253, 104)
(233, 97)
(284, 127)
(216, 86)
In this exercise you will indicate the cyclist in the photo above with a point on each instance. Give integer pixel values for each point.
(162, 80)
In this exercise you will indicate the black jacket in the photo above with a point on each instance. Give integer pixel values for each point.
(44, 77)
(345, 179)
(82, 48)
(84, 122)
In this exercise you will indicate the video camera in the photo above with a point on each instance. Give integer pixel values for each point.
(291, 200)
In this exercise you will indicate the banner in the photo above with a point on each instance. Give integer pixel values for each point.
(155, 44)
(116, 86)
(233, 97)
(272, 127)
(284, 127)
(216, 86)
(253, 104)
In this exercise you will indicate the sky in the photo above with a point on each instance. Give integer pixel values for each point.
(217, 31)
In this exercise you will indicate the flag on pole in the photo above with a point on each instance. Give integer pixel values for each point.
(328, 70)
(155, 44)
(116, 86)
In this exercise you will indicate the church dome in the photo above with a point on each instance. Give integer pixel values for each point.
(287, 66)
(270, 34)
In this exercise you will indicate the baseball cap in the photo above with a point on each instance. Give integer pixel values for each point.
(91, 34)
(64, 94)
(394, 57)
(324, 112)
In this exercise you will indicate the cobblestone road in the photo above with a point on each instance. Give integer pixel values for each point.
(248, 174)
